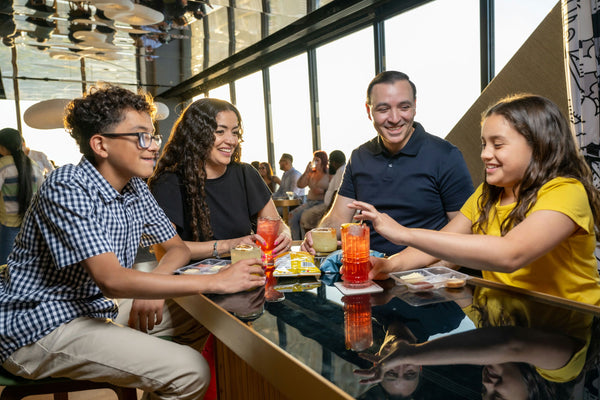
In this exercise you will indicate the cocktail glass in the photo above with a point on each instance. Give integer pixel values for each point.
(244, 252)
(268, 229)
(324, 240)
(355, 255)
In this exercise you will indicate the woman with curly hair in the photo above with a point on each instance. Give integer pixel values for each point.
(212, 198)
(316, 177)
(18, 182)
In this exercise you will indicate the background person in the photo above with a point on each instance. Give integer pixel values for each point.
(288, 179)
(19, 180)
(266, 173)
(40, 158)
(316, 177)
(337, 164)
(531, 224)
(418, 179)
(212, 198)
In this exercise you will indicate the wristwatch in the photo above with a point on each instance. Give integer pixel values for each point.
(215, 251)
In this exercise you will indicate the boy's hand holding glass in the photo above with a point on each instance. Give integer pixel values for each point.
(243, 275)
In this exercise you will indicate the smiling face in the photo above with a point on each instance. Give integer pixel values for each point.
(392, 111)
(226, 140)
(503, 381)
(121, 158)
(505, 154)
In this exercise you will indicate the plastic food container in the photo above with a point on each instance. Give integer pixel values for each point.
(432, 278)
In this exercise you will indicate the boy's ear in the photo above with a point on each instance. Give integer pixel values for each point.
(98, 146)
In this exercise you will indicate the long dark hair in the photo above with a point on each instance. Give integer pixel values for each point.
(186, 152)
(554, 154)
(13, 142)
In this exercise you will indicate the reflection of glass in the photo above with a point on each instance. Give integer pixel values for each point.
(272, 295)
(358, 327)
(247, 305)
(268, 228)
(355, 249)
(290, 195)
(245, 252)
(324, 240)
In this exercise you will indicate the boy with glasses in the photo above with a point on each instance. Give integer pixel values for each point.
(73, 258)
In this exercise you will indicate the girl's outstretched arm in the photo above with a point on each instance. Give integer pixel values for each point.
(535, 236)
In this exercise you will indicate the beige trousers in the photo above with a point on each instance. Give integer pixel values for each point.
(107, 351)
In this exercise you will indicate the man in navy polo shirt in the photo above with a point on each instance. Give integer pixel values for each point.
(419, 179)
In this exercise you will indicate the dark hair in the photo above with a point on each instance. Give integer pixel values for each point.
(13, 142)
(390, 77)
(102, 108)
(288, 156)
(268, 169)
(321, 155)
(186, 152)
(255, 164)
(554, 154)
(337, 156)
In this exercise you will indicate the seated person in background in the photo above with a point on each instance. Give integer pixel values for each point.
(288, 179)
(59, 313)
(212, 198)
(315, 176)
(40, 158)
(266, 173)
(419, 179)
(311, 217)
(532, 223)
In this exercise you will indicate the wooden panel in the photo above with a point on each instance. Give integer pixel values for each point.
(237, 380)
(538, 68)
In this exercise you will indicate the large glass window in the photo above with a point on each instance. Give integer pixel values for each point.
(515, 22)
(250, 103)
(345, 68)
(290, 104)
(437, 46)
(222, 92)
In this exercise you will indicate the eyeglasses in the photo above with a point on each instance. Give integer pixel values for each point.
(144, 138)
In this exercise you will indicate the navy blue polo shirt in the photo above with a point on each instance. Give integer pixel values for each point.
(417, 186)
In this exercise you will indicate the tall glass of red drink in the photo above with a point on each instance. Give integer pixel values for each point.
(268, 229)
(355, 255)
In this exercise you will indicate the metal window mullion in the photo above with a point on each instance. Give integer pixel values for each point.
(313, 88)
(486, 38)
(268, 115)
(379, 46)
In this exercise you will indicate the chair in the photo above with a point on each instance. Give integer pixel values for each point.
(17, 388)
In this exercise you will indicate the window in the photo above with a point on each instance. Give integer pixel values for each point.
(290, 104)
(250, 103)
(437, 46)
(345, 68)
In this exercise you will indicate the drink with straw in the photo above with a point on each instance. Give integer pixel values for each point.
(355, 255)
(268, 229)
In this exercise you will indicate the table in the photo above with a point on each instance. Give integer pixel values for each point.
(285, 205)
(297, 348)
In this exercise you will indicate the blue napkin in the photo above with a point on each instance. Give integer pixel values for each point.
(333, 262)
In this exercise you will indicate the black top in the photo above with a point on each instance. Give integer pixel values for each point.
(234, 200)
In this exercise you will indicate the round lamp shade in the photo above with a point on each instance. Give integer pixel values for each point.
(140, 15)
(162, 111)
(47, 114)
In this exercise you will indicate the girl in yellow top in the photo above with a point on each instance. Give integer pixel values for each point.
(531, 224)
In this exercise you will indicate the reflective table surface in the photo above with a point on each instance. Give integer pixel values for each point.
(477, 329)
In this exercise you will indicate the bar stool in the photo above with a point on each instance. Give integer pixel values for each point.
(17, 388)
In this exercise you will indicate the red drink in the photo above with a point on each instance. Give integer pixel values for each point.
(268, 229)
(355, 250)
(358, 327)
(356, 273)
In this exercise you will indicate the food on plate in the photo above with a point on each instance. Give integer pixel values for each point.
(455, 283)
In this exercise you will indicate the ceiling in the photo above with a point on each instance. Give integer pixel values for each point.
(55, 49)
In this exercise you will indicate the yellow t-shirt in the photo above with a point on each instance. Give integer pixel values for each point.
(505, 310)
(570, 269)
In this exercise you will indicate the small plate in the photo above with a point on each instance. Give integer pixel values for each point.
(436, 276)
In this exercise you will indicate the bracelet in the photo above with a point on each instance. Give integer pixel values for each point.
(215, 251)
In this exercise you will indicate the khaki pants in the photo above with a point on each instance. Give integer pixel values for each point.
(106, 351)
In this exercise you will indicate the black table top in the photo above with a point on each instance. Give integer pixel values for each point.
(476, 334)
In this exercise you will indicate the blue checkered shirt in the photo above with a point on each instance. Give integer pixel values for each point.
(75, 215)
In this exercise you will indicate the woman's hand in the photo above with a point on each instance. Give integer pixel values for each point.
(382, 223)
(389, 357)
(283, 243)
